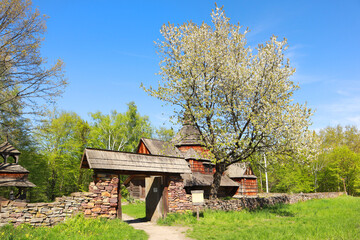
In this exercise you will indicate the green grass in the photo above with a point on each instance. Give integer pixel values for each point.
(337, 218)
(74, 228)
(135, 210)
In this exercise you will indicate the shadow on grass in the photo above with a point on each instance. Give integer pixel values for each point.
(278, 209)
(201, 214)
(137, 220)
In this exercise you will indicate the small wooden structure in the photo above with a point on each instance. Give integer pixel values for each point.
(11, 173)
(136, 186)
(243, 174)
(155, 169)
(238, 180)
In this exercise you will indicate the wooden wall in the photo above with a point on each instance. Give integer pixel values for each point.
(142, 149)
(198, 166)
(136, 188)
(248, 186)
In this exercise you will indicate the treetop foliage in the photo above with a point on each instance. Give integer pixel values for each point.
(239, 99)
(119, 131)
(25, 78)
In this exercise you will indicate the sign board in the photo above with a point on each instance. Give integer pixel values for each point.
(197, 197)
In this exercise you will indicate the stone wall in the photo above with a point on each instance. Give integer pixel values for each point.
(259, 202)
(178, 200)
(104, 198)
(42, 214)
(101, 200)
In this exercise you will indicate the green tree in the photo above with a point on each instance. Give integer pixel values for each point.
(342, 171)
(333, 137)
(290, 174)
(117, 131)
(164, 134)
(62, 140)
(24, 77)
(239, 99)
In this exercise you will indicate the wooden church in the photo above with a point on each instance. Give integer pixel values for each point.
(238, 180)
(11, 173)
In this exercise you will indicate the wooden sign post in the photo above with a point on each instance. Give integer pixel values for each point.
(197, 200)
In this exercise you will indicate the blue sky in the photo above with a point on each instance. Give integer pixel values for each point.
(108, 48)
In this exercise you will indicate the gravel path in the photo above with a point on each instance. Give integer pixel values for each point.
(155, 231)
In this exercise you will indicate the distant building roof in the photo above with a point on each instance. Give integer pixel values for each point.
(15, 182)
(12, 168)
(199, 179)
(238, 170)
(187, 136)
(192, 154)
(6, 147)
(132, 162)
(159, 147)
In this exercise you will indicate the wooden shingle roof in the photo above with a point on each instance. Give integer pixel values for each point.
(162, 148)
(6, 147)
(132, 162)
(239, 170)
(12, 168)
(187, 136)
(159, 147)
(15, 182)
(199, 179)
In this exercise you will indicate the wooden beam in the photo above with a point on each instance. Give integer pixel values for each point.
(119, 210)
(165, 195)
(140, 173)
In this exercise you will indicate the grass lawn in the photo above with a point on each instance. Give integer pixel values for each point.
(77, 228)
(135, 210)
(337, 218)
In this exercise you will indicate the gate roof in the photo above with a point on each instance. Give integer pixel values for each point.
(132, 163)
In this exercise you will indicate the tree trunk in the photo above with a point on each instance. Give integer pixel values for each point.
(220, 169)
(51, 187)
(261, 184)
(266, 175)
(315, 184)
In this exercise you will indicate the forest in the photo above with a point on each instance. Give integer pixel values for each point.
(52, 149)
(335, 168)
(52, 153)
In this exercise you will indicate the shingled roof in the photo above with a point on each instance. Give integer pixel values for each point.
(10, 176)
(238, 170)
(159, 147)
(187, 136)
(6, 147)
(12, 168)
(132, 162)
(199, 179)
(15, 182)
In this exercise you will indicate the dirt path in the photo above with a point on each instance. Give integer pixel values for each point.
(155, 231)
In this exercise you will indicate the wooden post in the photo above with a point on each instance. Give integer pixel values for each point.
(119, 210)
(197, 213)
(165, 196)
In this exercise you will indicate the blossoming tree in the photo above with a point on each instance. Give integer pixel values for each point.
(240, 99)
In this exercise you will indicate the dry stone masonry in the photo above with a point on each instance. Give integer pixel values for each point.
(42, 214)
(260, 202)
(178, 200)
(104, 198)
(101, 201)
